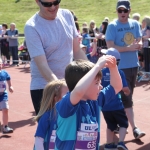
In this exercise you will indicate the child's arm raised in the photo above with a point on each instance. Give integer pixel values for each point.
(86, 81)
(94, 45)
(115, 79)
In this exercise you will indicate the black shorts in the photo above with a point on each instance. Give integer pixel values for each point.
(131, 75)
(114, 118)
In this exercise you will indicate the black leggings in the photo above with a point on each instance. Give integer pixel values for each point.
(147, 59)
(5, 52)
(36, 96)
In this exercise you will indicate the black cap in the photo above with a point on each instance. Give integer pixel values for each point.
(123, 3)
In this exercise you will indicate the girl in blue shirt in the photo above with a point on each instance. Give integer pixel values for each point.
(45, 133)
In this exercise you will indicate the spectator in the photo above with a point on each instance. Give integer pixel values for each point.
(86, 38)
(85, 25)
(74, 16)
(145, 47)
(1, 29)
(52, 42)
(106, 19)
(124, 34)
(12, 36)
(93, 49)
(5, 45)
(136, 16)
(77, 26)
(92, 29)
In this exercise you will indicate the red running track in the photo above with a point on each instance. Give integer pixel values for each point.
(21, 113)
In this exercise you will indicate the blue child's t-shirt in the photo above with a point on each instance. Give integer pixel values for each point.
(46, 129)
(115, 104)
(79, 125)
(4, 77)
(86, 40)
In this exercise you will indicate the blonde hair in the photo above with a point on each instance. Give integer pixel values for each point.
(84, 24)
(13, 24)
(147, 20)
(51, 95)
(92, 22)
(136, 16)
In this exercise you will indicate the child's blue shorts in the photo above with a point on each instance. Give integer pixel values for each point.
(115, 118)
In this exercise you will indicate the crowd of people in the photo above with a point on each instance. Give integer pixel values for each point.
(9, 44)
(74, 74)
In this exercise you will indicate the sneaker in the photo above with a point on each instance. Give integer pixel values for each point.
(137, 133)
(7, 129)
(116, 131)
(121, 146)
(145, 78)
(17, 65)
(110, 146)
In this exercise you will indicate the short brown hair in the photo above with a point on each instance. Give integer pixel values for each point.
(76, 70)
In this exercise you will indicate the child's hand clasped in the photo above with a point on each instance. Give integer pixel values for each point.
(107, 61)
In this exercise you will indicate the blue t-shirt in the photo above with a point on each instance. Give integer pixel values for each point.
(86, 40)
(46, 129)
(4, 76)
(79, 125)
(123, 34)
(115, 104)
(88, 56)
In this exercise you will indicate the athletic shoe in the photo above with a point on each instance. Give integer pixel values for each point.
(116, 131)
(121, 146)
(145, 78)
(17, 65)
(110, 146)
(7, 129)
(137, 133)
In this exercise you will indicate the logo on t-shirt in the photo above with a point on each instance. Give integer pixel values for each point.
(128, 38)
(2, 87)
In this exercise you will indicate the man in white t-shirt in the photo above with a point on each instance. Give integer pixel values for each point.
(52, 42)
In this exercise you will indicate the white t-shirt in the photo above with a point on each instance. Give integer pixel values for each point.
(52, 38)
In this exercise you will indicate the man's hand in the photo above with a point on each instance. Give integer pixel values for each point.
(135, 45)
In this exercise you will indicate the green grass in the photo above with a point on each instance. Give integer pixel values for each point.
(19, 11)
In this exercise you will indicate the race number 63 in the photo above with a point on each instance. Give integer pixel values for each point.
(91, 144)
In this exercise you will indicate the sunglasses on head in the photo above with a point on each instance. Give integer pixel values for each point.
(124, 10)
(49, 4)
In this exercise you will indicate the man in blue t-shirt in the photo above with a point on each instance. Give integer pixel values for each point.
(113, 112)
(124, 34)
(79, 110)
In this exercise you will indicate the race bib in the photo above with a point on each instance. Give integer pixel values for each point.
(86, 141)
(52, 140)
(2, 87)
(87, 138)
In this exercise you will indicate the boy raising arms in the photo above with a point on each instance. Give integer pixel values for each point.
(78, 122)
